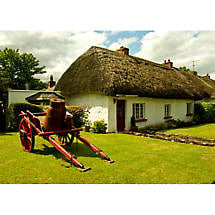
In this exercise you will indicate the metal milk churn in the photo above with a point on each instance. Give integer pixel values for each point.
(55, 116)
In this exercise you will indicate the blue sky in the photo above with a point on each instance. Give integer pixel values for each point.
(113, 37)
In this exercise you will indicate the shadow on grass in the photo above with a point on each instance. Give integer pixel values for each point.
(79, 150)
(5, 134)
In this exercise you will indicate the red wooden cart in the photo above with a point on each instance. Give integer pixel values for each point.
(30, 126)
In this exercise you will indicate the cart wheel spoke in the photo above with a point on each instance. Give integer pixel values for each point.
(66, 139)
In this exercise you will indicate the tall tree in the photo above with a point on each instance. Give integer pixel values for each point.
(19, 69)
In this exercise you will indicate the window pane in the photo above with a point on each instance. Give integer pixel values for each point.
(167, 110)
(137, 111)
(189, 107)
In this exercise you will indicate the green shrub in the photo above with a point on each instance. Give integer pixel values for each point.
(99, 127)
(204, 112)
(79, 115)
(15, 109)
(171, 124)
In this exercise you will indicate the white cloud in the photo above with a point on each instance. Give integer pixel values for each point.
(55, 50)
(182, 47)
(123, 42)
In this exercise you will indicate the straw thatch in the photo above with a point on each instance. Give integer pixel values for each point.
(108, 72)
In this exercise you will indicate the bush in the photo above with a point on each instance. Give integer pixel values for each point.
(79, 115)
(99, 127)
(171, 124)
(204, 112)
(15, 109)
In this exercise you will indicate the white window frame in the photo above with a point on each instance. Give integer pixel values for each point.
(139, 110)
(167, 110)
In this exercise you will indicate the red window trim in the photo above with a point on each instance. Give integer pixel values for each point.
(189, 114)
(167, 117)
(141, 120)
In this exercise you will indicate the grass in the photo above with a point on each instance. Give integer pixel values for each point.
(205, 130)
(139, 160)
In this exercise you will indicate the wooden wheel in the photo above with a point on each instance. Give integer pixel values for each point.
(26, 135)
(66, 139)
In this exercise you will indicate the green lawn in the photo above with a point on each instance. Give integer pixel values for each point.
(206, 130)
(139, 160)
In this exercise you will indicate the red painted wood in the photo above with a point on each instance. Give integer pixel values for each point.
(60, 131)
(63, 151)
(120, 115)
(167, 117)
(26, 135)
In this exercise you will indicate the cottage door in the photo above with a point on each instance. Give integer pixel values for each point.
(120, 115)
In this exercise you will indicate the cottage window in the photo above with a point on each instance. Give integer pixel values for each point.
(139, 111)
(189, 109)
(167, 110)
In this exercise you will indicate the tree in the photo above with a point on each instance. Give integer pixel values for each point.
(3, 89)
(184, 68)
(19, 69)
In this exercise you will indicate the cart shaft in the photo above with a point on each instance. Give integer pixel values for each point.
(63, 151)
(94, 148)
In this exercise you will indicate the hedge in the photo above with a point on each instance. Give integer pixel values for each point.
(79, 115)
(15, 109)
(204, 112)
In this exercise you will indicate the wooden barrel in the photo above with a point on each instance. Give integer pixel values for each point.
(55, 116)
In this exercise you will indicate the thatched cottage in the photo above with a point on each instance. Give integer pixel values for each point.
(116, 86)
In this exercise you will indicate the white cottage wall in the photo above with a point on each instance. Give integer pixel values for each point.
(104, 107)
(97, 105)
(154, 110)
(112, 123)
(19, 95)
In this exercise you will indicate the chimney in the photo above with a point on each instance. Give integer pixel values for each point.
(123, 50)
(169, 63)
(207, 75)
(51, 82)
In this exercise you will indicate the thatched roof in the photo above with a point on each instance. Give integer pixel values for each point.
(44, 96)
(109, 72)
(210, 83)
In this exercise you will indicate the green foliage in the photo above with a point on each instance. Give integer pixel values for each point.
(37, 84)
(18, 69)
(184, 68)
(99, 127)
(3, 87)
(133, 123)
(78, 115)
(15, 109)
(204, 112)
(170, 124)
